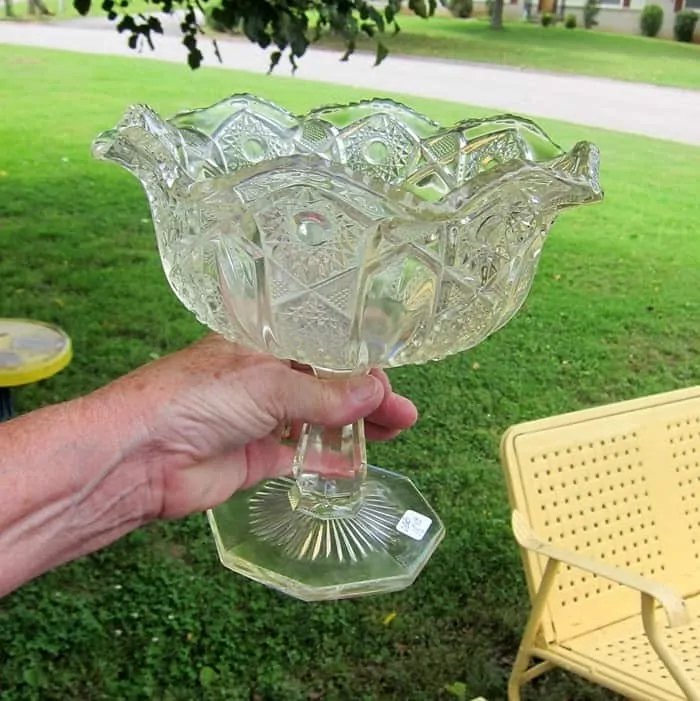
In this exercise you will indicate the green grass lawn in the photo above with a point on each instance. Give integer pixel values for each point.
(613, 315)
(556, 49)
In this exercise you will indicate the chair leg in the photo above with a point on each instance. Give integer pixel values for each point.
(6, 408)
(522, 660)
(513, 689)
(519, 674)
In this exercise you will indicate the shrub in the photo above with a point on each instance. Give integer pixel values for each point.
(684, 26)
(570, 22)
(489, 8)
(590, 12)
(547, 19)
(461, 8)
(651, 19)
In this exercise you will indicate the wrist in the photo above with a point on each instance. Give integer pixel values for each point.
(69, 484)
(124, 481)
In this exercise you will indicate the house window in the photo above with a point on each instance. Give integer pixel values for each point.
(692, 4)
(614, 3)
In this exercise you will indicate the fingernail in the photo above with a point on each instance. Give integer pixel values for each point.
(362, 389)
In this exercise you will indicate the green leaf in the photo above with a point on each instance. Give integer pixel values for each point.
(368, 28)
(33, 677)
(377, 18)
(207, 676)
(254, 28)
(126, 24)
(275, 57)
(298, 44)
(458, 690)
(194, 58)
(350, 49)
(217, 53)
(419, 7)
(382, 53)
(154, 24)
(82, 6)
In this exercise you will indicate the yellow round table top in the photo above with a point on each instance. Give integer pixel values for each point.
(31, 351)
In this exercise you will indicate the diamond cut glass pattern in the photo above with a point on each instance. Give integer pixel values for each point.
(355, 236)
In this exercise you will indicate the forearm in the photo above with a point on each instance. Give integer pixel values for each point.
(69, 484)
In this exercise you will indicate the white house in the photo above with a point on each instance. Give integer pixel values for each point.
(623, 15)
(614, 16)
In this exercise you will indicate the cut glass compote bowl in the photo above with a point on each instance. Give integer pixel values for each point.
(353, 237)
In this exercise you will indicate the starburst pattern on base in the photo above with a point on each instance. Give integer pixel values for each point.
(303, 536)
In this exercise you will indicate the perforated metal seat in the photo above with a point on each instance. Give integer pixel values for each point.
(622, 651)
(607, 508)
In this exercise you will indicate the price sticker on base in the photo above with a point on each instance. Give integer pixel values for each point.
(414, 525)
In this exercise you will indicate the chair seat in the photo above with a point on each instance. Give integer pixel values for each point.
(622, 652)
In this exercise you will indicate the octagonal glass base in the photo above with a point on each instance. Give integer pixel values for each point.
(379, 547)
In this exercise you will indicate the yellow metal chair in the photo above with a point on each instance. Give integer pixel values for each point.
(607, 513)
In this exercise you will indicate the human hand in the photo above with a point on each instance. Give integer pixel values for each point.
(212, 417)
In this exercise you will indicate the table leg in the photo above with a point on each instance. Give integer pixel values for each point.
(6, 409)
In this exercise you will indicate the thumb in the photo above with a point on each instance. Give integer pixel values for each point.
(297, 396)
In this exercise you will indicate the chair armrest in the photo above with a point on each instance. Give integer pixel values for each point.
(673, 603)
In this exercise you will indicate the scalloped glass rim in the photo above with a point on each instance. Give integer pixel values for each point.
(200, 115)
(578, 166)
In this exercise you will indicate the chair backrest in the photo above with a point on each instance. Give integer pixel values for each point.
(619, 483)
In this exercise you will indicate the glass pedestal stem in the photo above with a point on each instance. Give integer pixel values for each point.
(330, 467)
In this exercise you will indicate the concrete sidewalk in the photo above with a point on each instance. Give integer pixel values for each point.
(662, 112)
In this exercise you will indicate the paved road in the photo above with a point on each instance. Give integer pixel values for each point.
(666, 113)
